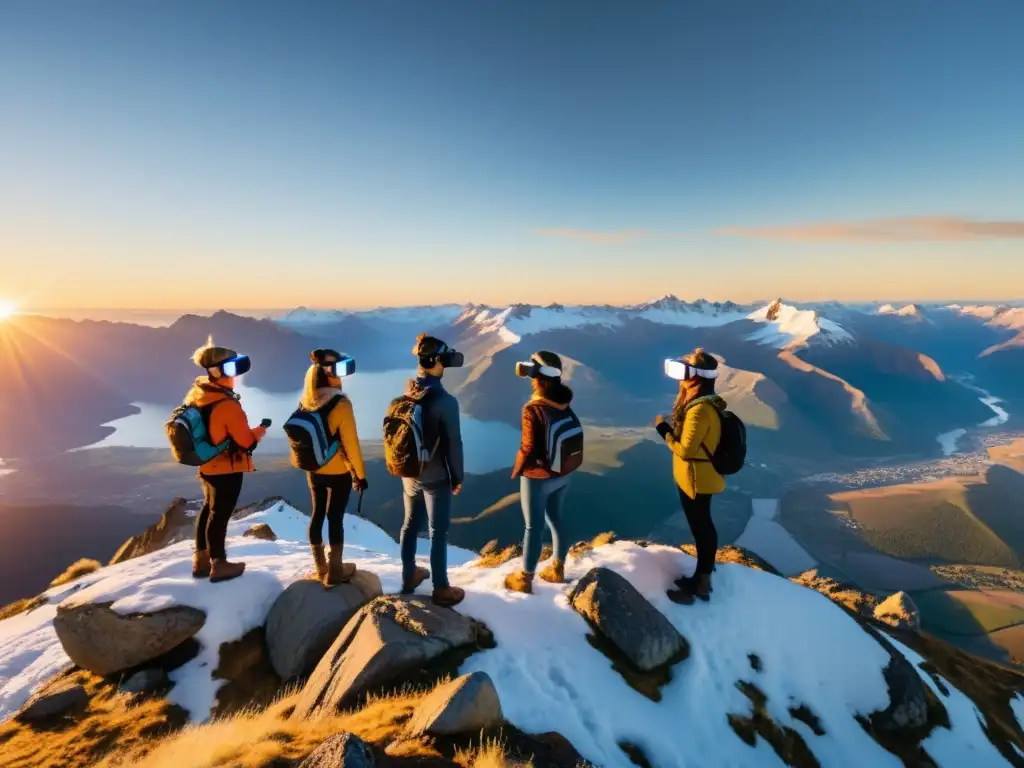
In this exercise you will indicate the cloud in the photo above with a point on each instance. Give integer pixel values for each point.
(920, 228)
(592, 236)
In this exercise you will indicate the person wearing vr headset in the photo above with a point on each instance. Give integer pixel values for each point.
(331, 485)
(693, 433)
(429, 496)
(542, 491)
(222, 476)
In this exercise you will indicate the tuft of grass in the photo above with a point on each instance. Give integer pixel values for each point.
(76, 570)
(491, 556)
(21, 606)
(581, 548)
(491, 754)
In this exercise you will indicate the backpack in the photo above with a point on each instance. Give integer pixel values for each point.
(731, 454)
(563, 439)
(406, 444)
(189, 435)
(309, 438)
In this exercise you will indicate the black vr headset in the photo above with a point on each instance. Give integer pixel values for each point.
(446, 356)
(233, 366)
(536, 369)
(334, 363)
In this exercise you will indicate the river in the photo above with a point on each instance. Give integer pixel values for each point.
(950, 441)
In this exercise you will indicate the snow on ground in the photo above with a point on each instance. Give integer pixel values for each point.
(794, 326)
(548, 676)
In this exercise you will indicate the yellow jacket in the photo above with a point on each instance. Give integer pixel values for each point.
(691, 468)
(341, 421)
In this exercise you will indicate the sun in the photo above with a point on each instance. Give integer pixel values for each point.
(7, 309)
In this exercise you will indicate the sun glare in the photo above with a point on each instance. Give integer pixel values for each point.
(6, 309)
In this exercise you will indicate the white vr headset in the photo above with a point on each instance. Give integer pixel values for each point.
(535, 368)
(680, 370)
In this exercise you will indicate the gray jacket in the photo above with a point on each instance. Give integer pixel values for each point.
(441, 412)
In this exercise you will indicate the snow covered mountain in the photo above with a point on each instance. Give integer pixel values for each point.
(789, 327)
(765, 653)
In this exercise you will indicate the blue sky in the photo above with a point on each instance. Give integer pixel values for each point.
(353, 154)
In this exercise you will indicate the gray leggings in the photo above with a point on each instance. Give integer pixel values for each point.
(543, 500)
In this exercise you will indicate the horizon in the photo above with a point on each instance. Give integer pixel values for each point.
(576, 154)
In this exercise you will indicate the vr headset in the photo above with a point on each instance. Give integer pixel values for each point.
(680, 370)
(234, 366)
(334, 363)
(447, 357)
(536, 369)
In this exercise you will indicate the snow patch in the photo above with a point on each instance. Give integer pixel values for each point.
(785, 325)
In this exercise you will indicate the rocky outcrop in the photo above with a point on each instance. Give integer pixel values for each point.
(144, 681)
(307, 618)
(467, 704)
(104, 642)
(851, 597)
(733, 554)
(261, 531)
(386, 640)
(173, 526)
(899, 612)
(616, 610)
(342, 750)
(53, 701)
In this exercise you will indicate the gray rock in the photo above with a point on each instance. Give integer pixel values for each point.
(899, 612)
(343, 750)
(909, 697)
(144, 681)
(465, 705)
(388, 638)
(104, 642)
(624, 617)
(307, 617)
(54, 701)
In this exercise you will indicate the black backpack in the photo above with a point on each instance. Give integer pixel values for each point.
(563, 439)
(188, 432)
(407, 447)
(309, 437)
(731, 454)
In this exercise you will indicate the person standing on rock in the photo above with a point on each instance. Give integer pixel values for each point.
(693, 434)
(551, 448)
(331, 485)
(222, 476)
(423, 446)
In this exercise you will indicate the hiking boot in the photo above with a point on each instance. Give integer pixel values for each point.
(682, 596)
(338, 571)
(448, 597)
(690, 583)
(520, 581)
(319, 561)
(222, 570)
(418, 577)
(702, 589)
(201, 565)
(554, 573)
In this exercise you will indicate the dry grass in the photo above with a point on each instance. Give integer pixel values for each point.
(111, 719)
(491, 556)
(21, 606)
(490, 754)
(76, 570)
(581, 548)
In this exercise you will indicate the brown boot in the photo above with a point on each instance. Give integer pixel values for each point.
(222, 570)
(338, 571)
(554, 573)
(520, 581)
(681, 596)
(703, 590)
(418, 577)
(201, 565)
(448, 596)
(319, 561)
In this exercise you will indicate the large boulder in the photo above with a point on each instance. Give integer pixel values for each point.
(261, 531)
(174, 525)
(623, 616)
(387, 639)
(342, 750)
(899, 612)
(467, 704)
(52, 701)
(910, 700)
(307, 617)
(104, 642)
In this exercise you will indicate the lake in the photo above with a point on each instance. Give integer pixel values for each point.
(488, 445)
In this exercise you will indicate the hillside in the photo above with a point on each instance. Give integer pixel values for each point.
(773, 673)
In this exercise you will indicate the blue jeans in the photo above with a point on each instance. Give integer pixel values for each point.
(435, 504)
(542, 499)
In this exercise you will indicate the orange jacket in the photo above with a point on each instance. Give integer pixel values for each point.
(227, 421)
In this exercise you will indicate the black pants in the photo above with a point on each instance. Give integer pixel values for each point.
(330, 497)
(698, 515)
(220, 495)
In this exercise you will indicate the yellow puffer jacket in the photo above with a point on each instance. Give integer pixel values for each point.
(691, 467)
(342, 422)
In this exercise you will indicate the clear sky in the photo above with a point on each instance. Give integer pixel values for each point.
(236, 153)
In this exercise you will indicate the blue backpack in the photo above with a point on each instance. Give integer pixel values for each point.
(189, 435)
(312, 445)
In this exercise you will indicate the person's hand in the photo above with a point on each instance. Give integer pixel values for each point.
(360, 484)
(659, 419)
(456, 489)
(259, 432)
